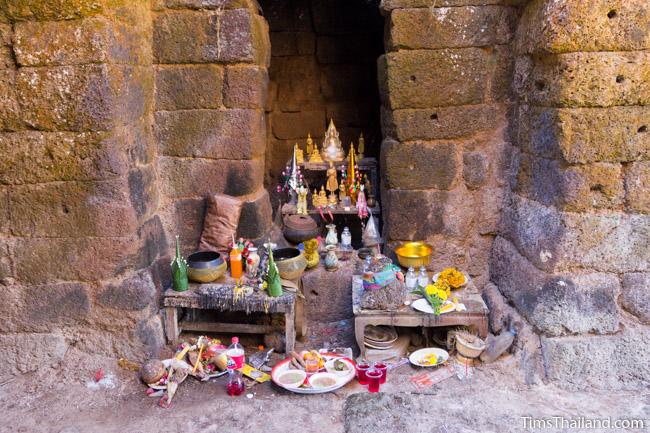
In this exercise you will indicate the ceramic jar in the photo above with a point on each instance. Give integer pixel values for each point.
(252, 263)
(299, 228)
(332, 237)
(331, 260)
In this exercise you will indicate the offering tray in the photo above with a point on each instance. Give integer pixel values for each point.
(341, 380)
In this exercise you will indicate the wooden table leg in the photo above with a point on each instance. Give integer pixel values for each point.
(483, 327)
(359, 331)
(171, 324)
(289, 330)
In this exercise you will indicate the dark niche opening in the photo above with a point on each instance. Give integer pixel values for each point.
(323, 66)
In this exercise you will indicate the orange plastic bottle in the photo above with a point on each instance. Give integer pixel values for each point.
(236, 269)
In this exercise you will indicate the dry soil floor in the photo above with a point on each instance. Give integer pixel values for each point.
(492, 400)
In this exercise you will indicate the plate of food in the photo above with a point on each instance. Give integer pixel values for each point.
(453, 277)
(429, 357)
(424, 306)
(334, 372)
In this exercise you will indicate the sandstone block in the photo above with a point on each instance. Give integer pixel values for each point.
(287, 126)
(635, 295)
(256, 215)
(582, 135)
(84, 97)
(292, 16)
(491, 204)
(6, 52)
(338, 333)
(42, 260)
(558, 241)
(328, 295)
(186, 87)
(205, 4)
(411, 215)
(4, 218)
(200, 177)
(185, 220)
(576, 188)
(451, 27)
(424, 79)
(556, 304)
(245, 87)
(389, 5)
(440, 122)
(37, 157)
(72, 209)
(143, 190)
(91, 40)
(36, 10)
(591, 25)
(292, 43)
(420, 165)
(353, 48)
(215, 134)
(637, 187)
(605, 79)
(244, 37)
(476, 166)
(133, 293)
(287, 72)
(577, 362)
(56, 303)
(10, 112)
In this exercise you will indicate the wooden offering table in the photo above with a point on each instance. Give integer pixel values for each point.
(475, 315)
(220, 297)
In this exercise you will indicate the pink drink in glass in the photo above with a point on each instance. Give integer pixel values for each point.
(374, 379)
(383, 368)
(362, 368)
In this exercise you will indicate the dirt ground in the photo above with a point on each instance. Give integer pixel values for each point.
(491, 400)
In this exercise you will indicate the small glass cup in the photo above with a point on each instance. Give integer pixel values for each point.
(374, 379)
(362, 368)
(383, 368)
(311, 365)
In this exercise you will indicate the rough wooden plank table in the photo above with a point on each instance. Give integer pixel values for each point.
(475, 315)
(220, 297)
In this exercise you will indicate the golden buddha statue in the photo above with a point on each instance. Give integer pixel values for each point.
(314, 199)
(322, 197)
(302, 200)
(300, 157)
(310, 144)
(361, 147)
(314, 156)
(332, 183)
(332, 150)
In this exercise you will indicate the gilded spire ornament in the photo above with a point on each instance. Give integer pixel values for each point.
(332, 149)
(352, 177)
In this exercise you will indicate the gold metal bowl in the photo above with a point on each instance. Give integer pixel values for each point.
(414, 254)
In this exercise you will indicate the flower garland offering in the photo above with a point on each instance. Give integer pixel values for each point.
(453, 277)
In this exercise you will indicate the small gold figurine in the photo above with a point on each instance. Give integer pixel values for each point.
(310, 144)
(342, 193)
(315, 155)
(332, 183)
(314, 199)
(300, 157)
(322, 197)
(301, 208)
(361, 147)
(332, 201)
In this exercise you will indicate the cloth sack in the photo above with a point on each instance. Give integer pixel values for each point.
(220, 223)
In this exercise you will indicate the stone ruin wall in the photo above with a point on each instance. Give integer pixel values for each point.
(515, 141)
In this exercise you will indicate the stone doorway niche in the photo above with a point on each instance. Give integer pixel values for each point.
(323, 66)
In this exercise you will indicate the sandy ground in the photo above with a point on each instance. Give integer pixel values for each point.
(491, 400)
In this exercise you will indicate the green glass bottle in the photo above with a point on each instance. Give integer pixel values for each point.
(179, 270)
(273, 284)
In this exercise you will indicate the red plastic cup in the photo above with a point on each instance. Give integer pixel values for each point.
(384, 369)
(362, 368)
(374, 379)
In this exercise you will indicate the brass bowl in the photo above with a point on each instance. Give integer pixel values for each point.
(414, 254)
(205, 266)
(291, 262)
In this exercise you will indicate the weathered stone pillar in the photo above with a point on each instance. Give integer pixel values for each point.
(211, 84)
(574, 256)
(78, 229)
(445, 91)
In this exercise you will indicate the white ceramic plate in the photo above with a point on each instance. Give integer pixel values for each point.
(341, 380)
(424, 306)
(442, 355)
(467, 279)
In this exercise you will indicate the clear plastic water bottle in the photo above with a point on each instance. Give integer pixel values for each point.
(423, 277)
(411, 279)
(236, 353)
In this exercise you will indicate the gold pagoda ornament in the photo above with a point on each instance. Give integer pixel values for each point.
(332, 149)
(310, 144)
(352, 181)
